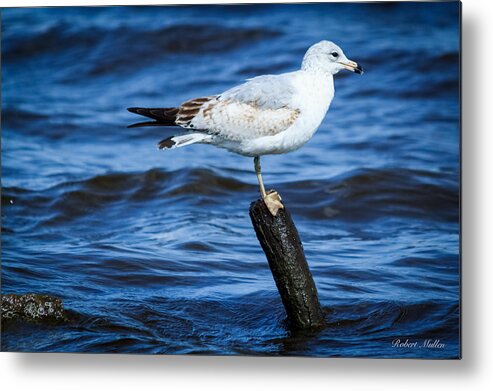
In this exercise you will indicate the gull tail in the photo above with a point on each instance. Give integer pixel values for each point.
(167, 117)
(183, 140)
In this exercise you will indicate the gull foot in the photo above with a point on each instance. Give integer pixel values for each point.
(273, 202)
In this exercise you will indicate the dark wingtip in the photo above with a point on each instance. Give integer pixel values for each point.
(166, 143)
(147, 123)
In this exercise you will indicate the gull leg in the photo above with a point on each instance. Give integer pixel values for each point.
(256, 162)
(272, 199)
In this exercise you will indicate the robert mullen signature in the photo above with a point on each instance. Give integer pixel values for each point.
(427, 344)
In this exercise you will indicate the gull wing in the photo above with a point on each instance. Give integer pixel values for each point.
(263, 106)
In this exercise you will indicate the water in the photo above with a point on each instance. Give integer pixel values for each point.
(154, 252)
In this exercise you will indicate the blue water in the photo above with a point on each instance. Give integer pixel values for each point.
(154, 252)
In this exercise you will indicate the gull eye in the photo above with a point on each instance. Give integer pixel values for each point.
(334, 54)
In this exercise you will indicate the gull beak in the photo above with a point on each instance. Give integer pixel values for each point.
(352, 66)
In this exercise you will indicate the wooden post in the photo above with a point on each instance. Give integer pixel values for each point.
(281, 243)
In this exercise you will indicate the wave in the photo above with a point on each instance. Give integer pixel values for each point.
(367, 194)
(357, 195)
(16, 118)
(109, 50)
(252, 324)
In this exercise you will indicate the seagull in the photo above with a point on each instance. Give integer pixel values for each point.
(270, 114)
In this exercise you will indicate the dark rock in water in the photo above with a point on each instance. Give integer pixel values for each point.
(33, 307)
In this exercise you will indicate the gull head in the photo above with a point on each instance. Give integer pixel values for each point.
(329, 58)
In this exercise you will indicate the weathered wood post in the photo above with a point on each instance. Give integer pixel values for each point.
(281, 243)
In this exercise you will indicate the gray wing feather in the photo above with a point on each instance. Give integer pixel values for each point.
(265, 92)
